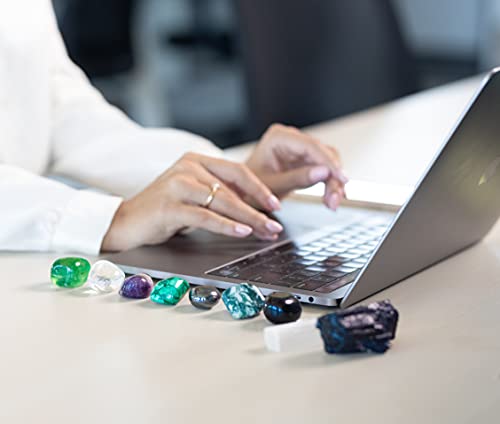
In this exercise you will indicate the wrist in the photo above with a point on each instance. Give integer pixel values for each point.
(115, 238)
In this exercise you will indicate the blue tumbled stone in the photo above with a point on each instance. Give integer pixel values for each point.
(243, 301)
(359, 329)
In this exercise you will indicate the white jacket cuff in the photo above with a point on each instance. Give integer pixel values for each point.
(84, 222)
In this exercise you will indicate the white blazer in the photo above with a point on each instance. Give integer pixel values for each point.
(52, 121)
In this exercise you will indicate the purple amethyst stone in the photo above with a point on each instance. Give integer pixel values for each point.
(137, 287)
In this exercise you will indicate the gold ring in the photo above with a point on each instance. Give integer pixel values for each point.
(210, 198)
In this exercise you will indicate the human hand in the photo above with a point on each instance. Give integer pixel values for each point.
(175, 201)
(287, 159)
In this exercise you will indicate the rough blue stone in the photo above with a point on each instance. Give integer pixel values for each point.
(243, 301)
(137, 286)
(359, 329)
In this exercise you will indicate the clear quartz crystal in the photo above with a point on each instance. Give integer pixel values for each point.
(105, 276)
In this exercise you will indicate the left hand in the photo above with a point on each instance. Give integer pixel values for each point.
(287, 159)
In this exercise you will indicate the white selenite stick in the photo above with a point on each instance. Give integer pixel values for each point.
(293, 337)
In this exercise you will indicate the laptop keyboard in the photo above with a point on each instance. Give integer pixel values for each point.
(321, 266)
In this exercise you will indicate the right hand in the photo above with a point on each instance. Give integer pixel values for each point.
(173, 202)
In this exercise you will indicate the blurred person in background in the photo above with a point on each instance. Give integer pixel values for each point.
(54, 122)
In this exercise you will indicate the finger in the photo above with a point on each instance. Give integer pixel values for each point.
(304, 146)
(196, 217)
(226, 203)
(243, 178)
(334, 193)
(298, 178)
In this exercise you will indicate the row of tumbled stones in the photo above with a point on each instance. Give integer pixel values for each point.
(243, 301)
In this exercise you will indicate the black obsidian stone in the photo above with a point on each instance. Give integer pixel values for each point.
(281, 308)
(360, 329)
(204, 297)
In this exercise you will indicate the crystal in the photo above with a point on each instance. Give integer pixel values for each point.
(105, 276)
(243, 301)
(169, 291)
(281, 308)
(70, 272)
(297, 336)
(137, 286)
(204, 297)
(359, 329)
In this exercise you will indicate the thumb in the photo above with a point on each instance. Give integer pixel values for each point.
(303, 177)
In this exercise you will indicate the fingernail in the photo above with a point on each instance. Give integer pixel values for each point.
(243, 230)
(274, 203)
(319, 173)
(341, 176)
(334, 201)
(274, 227)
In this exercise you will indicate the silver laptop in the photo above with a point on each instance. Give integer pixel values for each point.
(339, 259)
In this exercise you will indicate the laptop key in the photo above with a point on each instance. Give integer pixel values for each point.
(244, 274)
(291, 268)
(337, 284)
(335, 274)
(335, 249)
(360, 260)
(323, 277)
(355, 265)
(338, 259)
(319, 244)
(311, 284)
(267, 277)
(303, 253)
(348, 256)
(328, 264)
(345, 269)
(304, 262)
(282, 283)
(357, 251)
(314, 258)
(310, 248)
(292, 279)
(305, 273)
(316, 269)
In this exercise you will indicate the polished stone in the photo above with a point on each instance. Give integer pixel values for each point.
(243, 301)
(105, 276)
(70, 272)
(359, 329)
(137, 286)
(169, 291)
(204, 297)
(281, 308)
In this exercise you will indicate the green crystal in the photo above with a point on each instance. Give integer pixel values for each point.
(70, 272)
(169, 291)
(243, 301)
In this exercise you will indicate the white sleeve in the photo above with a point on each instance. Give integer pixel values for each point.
(95, 143)
(44, 215)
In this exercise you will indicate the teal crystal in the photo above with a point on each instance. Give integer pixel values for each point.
(243, 301)
(169, 291)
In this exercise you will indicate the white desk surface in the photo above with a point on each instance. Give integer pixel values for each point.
(70, 358)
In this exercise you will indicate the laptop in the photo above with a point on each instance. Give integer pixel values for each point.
(339, 259)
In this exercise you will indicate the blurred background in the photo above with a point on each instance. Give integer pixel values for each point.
(226, 69)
